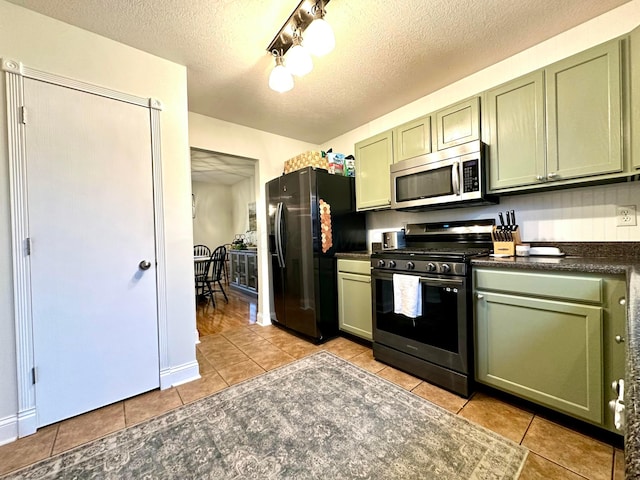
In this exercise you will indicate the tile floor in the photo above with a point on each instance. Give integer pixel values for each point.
(234, 348)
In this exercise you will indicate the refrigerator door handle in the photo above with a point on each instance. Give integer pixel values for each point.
(278, 226)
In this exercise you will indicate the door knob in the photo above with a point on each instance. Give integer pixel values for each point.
(144, 265)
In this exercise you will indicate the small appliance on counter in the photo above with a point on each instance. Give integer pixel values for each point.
(393, 240)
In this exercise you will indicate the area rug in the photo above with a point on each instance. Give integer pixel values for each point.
(317, 418)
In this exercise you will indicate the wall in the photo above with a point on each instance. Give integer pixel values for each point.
(584, 214)
(271, 151)
(71, 52)
(243, 193)
(214, 222)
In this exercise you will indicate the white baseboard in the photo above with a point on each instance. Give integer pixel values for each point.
(8, 429)
(263, 320)
(178, 375)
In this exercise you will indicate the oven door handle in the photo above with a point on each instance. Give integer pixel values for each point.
(434, 282)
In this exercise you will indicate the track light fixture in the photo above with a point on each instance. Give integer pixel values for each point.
(280, 79)
(291, 51)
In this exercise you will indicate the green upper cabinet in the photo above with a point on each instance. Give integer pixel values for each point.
(514, 115)
(558, 125)
(373, 158)
(634, 54)
(412, 139)
(584, 105)
(458, 123)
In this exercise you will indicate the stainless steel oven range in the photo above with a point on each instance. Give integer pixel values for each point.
(435, 341)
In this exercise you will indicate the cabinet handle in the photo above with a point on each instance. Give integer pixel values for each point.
(539, 178)
(619, 339)
(552, 175)
(622, 301)
(479, 296)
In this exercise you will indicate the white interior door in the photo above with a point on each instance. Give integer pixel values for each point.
(90, 209)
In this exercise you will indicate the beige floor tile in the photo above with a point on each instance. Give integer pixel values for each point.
(242, 336)
(366, 361)
(89, 426)
(539, 468)
(215, 348)
(344, 348)
(498, 416)
(271, 358)
(572, 450)
(440, 397)
(261, 345)
(225, 358)
(406, 381)
(27, 450)
(296, 347)
(151, 404)
(240, 371)
(197, 389)
(204, 365)
(618, 464)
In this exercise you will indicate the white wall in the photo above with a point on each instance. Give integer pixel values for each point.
(243, 193)
(46, 44)
(583, 214)
(271, 151)
(214, 222)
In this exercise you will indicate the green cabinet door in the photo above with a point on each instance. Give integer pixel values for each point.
(634, 61)
(546, 351)
(373, 158)
(354, 299)
(583, 105)
(412, 139)
(514, 114)
(458, 123)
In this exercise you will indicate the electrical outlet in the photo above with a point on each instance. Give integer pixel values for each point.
(626, 215)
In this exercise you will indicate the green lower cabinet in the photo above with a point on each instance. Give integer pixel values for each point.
(555, 339)
(354, 298)
(547, 351)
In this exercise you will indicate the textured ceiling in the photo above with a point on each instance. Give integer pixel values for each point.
(388, 53)
(219, 169)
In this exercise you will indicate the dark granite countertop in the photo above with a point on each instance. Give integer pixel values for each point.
(361, 255)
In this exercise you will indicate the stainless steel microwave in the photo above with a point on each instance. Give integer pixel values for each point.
(454, 177)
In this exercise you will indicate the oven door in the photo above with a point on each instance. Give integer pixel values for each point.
(441, 335)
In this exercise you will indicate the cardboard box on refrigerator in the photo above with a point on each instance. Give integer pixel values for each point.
(312, 158)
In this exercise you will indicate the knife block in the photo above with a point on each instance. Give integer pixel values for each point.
(504, 242)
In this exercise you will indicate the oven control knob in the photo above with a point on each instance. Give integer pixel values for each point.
(381, 263)
(392, 263)
(411, 265)
(445, 268)
(431, 267)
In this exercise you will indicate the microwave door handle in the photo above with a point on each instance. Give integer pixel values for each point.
(456, 178)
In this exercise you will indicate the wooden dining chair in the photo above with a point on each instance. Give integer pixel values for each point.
(214, 284)
(201, 268)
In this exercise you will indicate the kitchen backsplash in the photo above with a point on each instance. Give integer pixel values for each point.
(585, 214)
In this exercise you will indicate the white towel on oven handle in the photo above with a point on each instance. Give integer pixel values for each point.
(407, 295)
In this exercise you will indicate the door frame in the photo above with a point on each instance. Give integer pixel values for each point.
(15, 72)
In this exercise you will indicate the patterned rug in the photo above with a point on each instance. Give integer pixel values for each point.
(317, 418)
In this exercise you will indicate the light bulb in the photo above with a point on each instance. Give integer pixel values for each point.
(299, 61)
(280, 78)
(319, 38)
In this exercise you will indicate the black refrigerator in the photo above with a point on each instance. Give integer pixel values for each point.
(311, 216)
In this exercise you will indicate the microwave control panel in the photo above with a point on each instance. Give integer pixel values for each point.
(470, 176)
